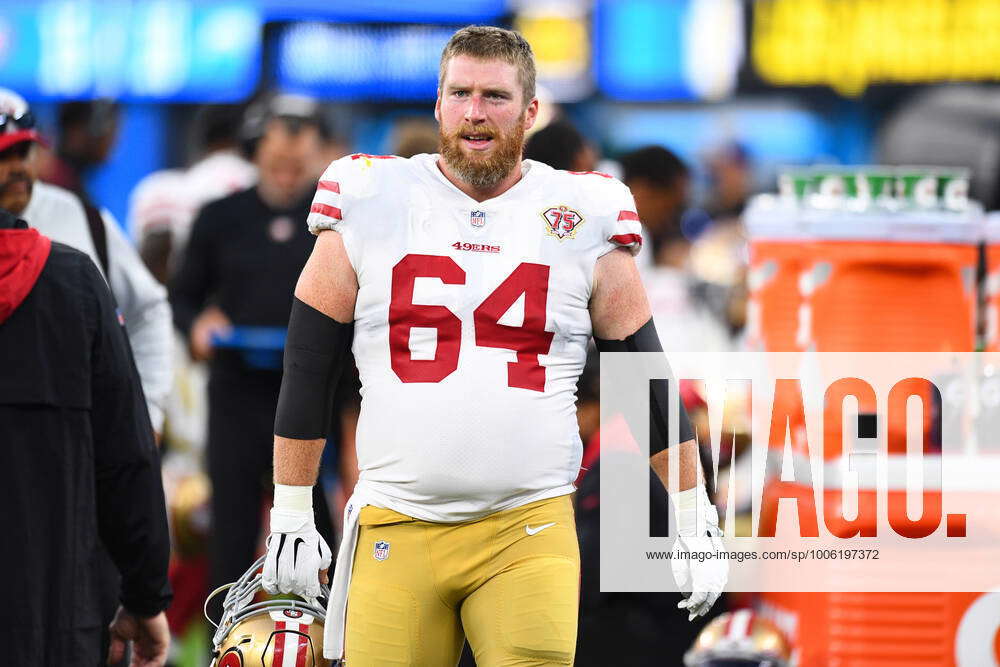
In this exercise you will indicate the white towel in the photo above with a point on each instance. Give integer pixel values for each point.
(336, 611)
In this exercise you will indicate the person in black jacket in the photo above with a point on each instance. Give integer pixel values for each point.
(239, 270)
(81, 465)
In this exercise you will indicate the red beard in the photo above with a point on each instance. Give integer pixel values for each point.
(483, 172)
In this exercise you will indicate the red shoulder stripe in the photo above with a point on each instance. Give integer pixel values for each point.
(332, 186)
(628, 215)
(595, 173)
(323, 209)
(373, 157)
(626, 239)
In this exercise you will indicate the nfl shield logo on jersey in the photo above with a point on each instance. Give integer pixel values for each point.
(562, 222)
(381, 550)
(477, 218)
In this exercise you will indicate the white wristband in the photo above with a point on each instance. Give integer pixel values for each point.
(292, 510)
(294, 498)
(693, 511)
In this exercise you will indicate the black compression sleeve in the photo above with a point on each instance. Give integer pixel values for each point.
(315, 352)
(647, 340)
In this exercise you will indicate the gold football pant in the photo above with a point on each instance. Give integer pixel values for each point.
(509, 582)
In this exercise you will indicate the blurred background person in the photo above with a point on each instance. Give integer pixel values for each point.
(731, 182)
(163, 204)
(86, 135)
(64, 217)
(718, 254)
(219, 136)
(413, 136)
(661, 184)
(561, 146)
(82, 465)
(686, 309)
(221, 164)
(160, 210)
(620, 628)
(239, 271)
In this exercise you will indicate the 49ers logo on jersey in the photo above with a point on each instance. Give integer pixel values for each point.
(562, 222)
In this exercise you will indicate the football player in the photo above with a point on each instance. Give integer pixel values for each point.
(472, 282)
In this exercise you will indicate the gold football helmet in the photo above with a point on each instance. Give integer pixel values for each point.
(739, 639)
(268, 633)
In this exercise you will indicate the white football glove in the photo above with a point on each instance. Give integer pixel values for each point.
(703, 579)
(295, 550)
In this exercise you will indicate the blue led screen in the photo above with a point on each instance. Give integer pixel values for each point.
(400, 11)
(668, 50)
(638, 49)
(353, 62)
(160, 50)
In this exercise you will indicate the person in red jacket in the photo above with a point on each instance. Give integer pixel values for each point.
(81, 466)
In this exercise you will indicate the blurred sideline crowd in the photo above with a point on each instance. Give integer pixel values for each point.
(204, 273)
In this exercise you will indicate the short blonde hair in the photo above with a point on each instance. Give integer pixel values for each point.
(490, 43)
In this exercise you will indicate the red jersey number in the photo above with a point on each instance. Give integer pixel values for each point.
(529, 340)
(404, 315)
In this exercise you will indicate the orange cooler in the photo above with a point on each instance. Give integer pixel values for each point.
(777, 245)
(888, 629)
(900, 283)
(834, 281)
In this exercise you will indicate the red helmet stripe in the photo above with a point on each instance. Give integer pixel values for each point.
(279, 644)
(739, 624)
(300, 658)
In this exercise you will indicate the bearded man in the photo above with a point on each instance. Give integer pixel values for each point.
(472, 282)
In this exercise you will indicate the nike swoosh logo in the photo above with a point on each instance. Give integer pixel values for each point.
(534, 531)
(281, 544)
(295, 554)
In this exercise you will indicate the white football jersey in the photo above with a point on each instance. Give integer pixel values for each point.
(471, 327)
